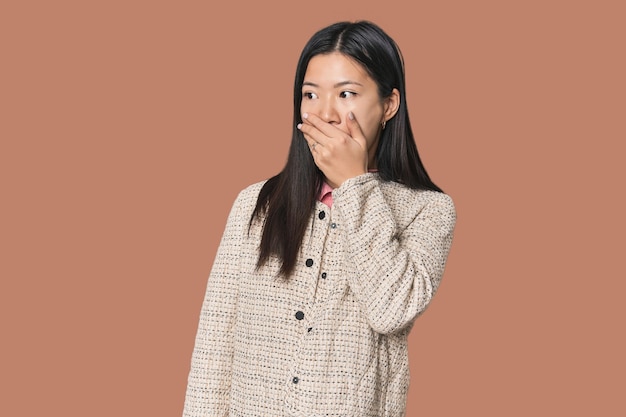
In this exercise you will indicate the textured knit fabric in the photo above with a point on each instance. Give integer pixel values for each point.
(326, 193)
(331, 339)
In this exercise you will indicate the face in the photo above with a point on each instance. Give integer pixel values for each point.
(335, 85)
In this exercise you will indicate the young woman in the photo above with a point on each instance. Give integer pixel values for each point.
(323, 268)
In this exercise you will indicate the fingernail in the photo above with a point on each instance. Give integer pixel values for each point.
(351, 116)
(299, 126)
(305, 115)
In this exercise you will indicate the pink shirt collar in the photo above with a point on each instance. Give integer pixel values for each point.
(326, 194)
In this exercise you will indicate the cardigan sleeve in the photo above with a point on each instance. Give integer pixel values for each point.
(208, 387)
(397, 269)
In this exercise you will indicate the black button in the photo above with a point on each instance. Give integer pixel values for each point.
(309, 262)
(324, 275)
(295, 380)
(309, 329)
(321, 215)
(333, 225)
(299, 315)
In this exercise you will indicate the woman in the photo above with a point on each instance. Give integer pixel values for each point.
(323, 268)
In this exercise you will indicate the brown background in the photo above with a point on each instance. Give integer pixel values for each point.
(128, 127)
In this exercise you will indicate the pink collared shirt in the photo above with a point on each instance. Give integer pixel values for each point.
(326, 194)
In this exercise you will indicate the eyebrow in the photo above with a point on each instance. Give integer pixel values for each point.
(339, 84)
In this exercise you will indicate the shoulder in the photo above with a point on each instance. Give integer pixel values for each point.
(403, 192)
(410, 203)
(251, 192)
(246, 199)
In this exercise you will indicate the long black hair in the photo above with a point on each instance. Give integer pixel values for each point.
(288, 199)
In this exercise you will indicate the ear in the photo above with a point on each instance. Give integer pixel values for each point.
(391, 105)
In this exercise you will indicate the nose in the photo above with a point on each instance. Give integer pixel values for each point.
(328, 112)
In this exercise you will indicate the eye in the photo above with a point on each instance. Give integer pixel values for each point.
(309, 95)
(347, 94)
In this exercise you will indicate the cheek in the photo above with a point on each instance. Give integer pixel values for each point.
(369, 125)
(369, 119)
(304, 108)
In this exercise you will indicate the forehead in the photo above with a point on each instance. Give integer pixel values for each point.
(335, 67)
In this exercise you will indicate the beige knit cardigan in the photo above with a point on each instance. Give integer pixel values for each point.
(331, 340)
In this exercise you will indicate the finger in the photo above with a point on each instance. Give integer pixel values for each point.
(311, 142)
(312, 134)
(325, 128)
(355, 131)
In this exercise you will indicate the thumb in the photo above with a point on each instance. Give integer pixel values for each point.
(355, 130)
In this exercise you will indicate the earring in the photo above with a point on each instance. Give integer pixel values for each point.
(383, 124)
